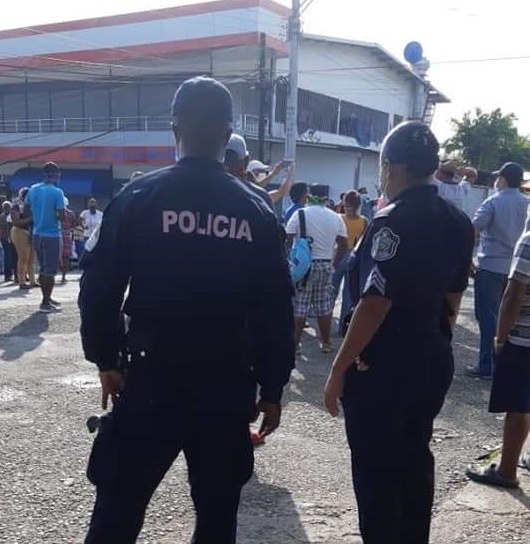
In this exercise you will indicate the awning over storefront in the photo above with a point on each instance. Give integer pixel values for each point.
(73, 182)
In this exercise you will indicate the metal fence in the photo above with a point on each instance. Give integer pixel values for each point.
(247, 123)
(85, 124)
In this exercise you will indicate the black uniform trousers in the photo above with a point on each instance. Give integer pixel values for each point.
(160, 414)
(389, 412)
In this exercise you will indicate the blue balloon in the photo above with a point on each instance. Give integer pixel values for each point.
(413, 52)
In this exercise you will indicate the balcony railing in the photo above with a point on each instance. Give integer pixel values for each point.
(85, 124)
(247, 123)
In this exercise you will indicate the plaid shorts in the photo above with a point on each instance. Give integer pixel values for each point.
(317, 294)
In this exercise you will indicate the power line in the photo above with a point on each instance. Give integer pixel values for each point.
(133, 54)
(306, 5)
(55, 149)
(380, 66)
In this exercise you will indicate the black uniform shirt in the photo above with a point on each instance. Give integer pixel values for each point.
(416, 251)
(202, 256)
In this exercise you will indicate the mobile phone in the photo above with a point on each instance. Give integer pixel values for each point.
(286, 163)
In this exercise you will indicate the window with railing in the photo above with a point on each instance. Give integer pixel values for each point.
(364, 124)
(138, 105)
(318, 112)
(86, 124)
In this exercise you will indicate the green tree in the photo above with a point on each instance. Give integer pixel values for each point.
(487, 140)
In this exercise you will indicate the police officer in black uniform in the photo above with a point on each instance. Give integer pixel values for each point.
(203, 261)
(396, 362)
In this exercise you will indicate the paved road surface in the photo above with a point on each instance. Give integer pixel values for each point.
(301, 492)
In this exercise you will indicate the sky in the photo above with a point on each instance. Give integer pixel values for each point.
(477, 48)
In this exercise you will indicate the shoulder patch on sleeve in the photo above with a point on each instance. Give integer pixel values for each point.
(92, 242)
(385, 244)
(376, 281)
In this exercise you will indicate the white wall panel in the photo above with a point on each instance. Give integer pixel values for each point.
(207, 25)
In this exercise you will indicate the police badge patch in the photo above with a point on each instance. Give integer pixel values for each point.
(385, 244)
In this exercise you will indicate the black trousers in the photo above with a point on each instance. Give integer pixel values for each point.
(156, 418)
(10, 260)
(389, 412)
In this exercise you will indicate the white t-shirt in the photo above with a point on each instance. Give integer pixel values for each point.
(322, 227)
(90, 221)
(456, 193)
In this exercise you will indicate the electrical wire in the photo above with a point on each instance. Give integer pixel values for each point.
(305, 6)
(130, 52)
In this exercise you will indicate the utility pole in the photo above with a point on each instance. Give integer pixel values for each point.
(263, 89)
(291, 117)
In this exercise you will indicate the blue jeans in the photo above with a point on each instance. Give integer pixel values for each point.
(489, 288)
(338, 276)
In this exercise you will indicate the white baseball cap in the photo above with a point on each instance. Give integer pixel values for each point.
(258, 165)
(238, 145)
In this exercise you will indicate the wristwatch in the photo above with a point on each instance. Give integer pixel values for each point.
(498, 343)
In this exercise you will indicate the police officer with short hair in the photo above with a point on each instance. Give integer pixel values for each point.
(396, 363)
(205, 269)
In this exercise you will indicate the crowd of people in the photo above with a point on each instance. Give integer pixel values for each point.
(39, 232)
(211, 249)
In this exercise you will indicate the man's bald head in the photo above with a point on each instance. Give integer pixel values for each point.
(202, 112)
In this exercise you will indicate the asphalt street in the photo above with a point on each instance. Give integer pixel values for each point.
(301, 491)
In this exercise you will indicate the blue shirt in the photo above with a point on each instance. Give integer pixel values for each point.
(367, 208)
(45, 200)
(289, 212)
(500, 219)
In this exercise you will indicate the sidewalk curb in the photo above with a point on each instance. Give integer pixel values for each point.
(480, 514)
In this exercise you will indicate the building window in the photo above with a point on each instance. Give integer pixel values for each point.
(317, 112)
(364, 124)
(398, 119)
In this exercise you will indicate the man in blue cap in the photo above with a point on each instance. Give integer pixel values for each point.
(500, 220)
(207, 258)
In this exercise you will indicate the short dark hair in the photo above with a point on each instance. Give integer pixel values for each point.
(51, 169)
(319, 191)
(352, 199)
(203, 100)
(413, 145)
(298, 191)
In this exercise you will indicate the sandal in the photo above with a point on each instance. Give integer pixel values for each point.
(524, 462)
(490, 476)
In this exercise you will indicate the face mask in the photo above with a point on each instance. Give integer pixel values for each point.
(384, 182)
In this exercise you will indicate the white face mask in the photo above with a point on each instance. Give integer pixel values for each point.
(384, 183)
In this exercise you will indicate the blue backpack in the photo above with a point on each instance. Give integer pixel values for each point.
(300, 255)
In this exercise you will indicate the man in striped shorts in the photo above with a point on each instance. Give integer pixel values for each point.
(324, 229)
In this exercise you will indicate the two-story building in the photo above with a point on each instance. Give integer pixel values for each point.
(94, 95)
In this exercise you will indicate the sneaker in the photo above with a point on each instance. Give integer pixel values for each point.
(474, 372)
(24, 286)
(48, 309)
(54, 302)
(326, 348)
(256, 438)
